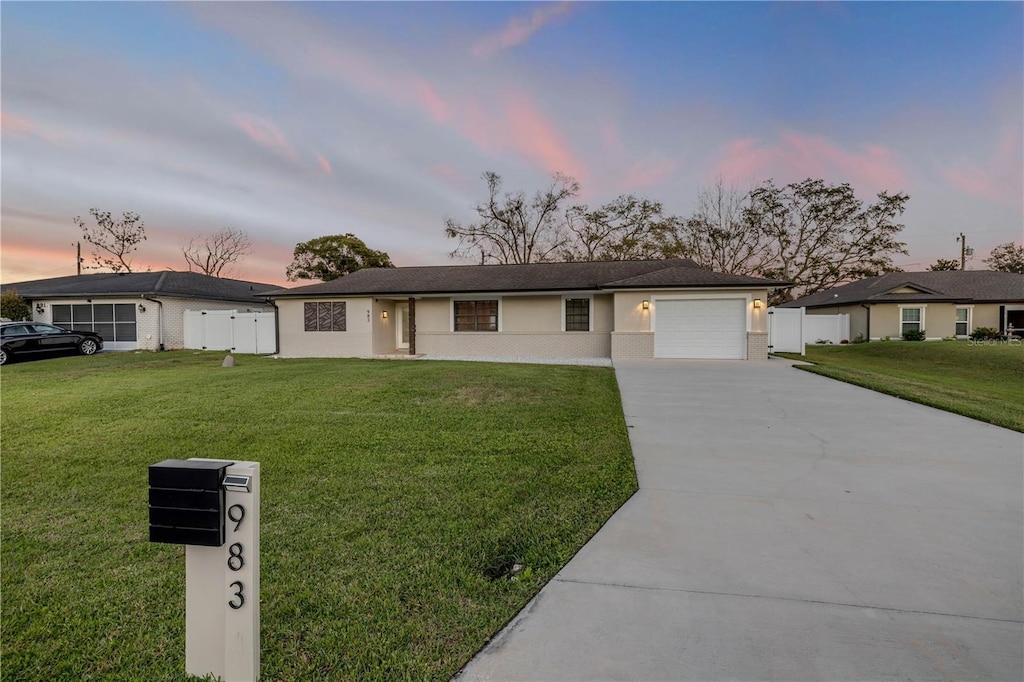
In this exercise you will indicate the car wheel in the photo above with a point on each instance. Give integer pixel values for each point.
(87, 347)
(3, 356)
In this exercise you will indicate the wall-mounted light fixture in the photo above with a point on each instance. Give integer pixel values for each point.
(384, 315)
(757, 303)
(646, 305)
(142, 308)
(40, 308)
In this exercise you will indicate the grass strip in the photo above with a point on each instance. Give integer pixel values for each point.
(984, 381)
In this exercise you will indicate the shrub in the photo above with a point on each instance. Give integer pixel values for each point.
(982, 333)
(913, 335)
(14, 307)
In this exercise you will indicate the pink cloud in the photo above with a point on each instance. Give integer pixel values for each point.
(19, 126)
(448, 175)
(429, 100)
(1000, 177)
(796, 156)
(325, 164)
(644, 174)
(532, 133)
(265, 134)
(519, 29)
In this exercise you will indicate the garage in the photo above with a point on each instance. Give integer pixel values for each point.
(710, 328)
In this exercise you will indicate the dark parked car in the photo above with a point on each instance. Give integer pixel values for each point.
(24, 339)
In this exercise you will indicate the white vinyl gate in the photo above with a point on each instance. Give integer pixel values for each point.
(791, 329)
(230, 330)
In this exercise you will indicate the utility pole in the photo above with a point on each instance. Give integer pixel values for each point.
(965, 251)
(78, 258)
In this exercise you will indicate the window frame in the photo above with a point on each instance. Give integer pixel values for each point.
(919, 322)
(454, 321)
(328, 322)
(967, 322)
(565, 312)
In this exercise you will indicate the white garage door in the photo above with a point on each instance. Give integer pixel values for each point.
(701, 328)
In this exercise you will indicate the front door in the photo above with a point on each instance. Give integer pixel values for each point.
(401, 325)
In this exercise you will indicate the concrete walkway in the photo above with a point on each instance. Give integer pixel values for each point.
(788, 527)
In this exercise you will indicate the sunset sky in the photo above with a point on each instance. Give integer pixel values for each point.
(291, 120)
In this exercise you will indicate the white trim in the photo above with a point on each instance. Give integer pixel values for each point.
(590, 311)
(912, 306)
(970, 319)
(749, 303)
(484, 297)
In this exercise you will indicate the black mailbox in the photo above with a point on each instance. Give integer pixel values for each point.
(186, 502)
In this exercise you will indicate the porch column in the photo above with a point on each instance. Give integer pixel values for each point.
(412, 326)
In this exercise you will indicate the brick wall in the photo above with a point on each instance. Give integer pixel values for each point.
(512, 344)
(757, 345)
(632, 345)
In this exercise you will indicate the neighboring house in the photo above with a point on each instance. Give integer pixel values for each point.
(137, 310)
(617, 310)
(942, 304)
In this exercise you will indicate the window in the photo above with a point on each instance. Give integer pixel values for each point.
(112, 321)
(324, 316)
(577, 314)
(963, 321)
(476, 316)
(911, 320)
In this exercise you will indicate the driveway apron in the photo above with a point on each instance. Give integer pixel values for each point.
(787, 527)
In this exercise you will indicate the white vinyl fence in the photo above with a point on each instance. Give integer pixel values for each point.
(791, 329)
(230, 330)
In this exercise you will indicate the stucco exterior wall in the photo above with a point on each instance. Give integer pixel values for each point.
(432, 315)
(355, 342)
(531, 313)
(603, 313)
(939, 318)
(631, 317)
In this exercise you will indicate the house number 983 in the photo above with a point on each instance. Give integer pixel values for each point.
(236, 560)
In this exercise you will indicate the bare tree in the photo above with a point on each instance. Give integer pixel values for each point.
(512, 228)
(628, 228)
(718, 236)
(113, 240)
(217, 252)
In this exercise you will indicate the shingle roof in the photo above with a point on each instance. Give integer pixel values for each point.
(163, 283)
(954, 285)
(450, 279)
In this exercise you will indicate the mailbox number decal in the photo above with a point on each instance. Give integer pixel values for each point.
(238, 595)
(236, 513)
(236, 561)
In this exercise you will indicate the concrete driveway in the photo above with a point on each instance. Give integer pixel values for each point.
(788, 527)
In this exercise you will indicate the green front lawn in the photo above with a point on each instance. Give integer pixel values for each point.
(396, 496)
(980, 380)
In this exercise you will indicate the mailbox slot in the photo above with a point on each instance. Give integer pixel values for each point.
(186, 502)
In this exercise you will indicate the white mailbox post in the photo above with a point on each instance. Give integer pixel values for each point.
(222, 565)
